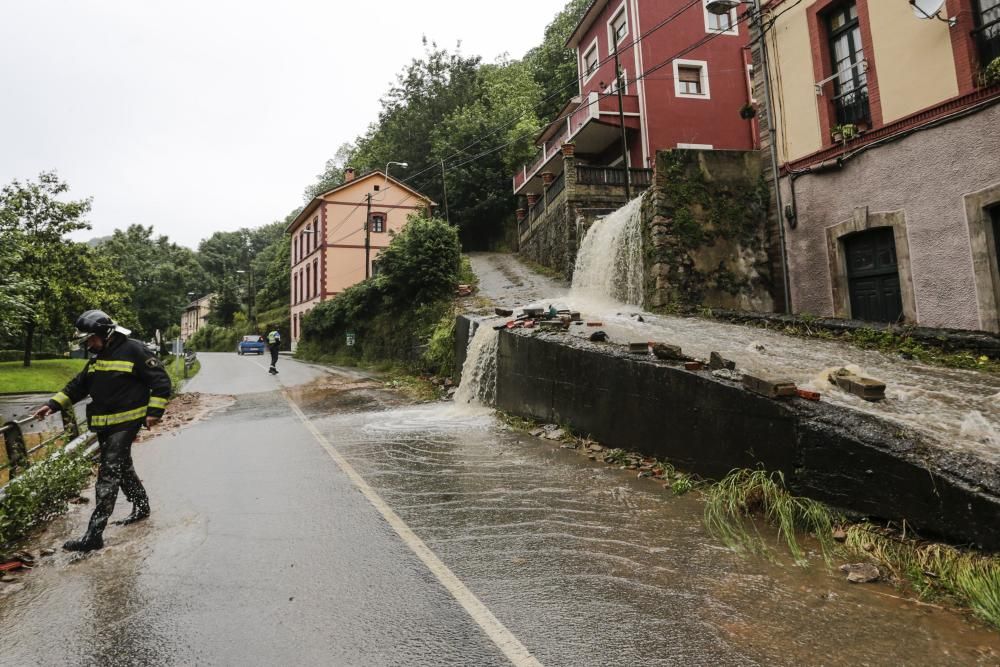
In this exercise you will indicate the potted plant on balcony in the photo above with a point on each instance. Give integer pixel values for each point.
(991, 73)
(748, 111)
(844, 132)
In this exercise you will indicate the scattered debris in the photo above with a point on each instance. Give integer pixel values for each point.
(668, 352)
(770, 388)
(463, 290)
(861, 573)
(726, 374)
(717, 362)
(533, 313)
(555, 435)
(866, 388)
(503, 312)
(595, 324)
(11, 565)
(536, 432)
(809, 395)
(839, 535)
(693, 365)
(638, 348)
(599, 337)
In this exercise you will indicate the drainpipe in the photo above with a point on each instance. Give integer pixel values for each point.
(757, 19)
(621, 120)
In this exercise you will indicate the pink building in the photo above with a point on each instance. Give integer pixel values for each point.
(686, 78)
(335, 232)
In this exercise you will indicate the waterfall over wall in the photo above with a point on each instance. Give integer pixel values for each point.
(609, 263)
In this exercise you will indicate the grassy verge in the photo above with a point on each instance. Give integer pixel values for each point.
(40, 494)
(44, 376)
(175, 368)
(930, 570)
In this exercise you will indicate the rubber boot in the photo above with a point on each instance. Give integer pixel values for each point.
(89, 542)
(140, 511)
(272, 370)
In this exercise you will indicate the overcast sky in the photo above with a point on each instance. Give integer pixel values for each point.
(202, 115)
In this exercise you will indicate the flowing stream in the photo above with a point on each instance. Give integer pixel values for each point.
(950, 407)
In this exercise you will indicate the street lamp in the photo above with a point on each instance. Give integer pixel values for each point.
(250, 295)
(721, 8)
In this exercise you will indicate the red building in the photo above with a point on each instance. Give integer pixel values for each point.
(686, 77)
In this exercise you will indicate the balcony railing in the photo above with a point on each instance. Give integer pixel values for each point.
(987, 39)
(557, 186)
(538, 208)
(852, 108)
(640, 178)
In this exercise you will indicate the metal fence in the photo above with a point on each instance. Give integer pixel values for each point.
(16, 453)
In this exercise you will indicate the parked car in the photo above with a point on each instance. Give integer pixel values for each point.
(251, 345)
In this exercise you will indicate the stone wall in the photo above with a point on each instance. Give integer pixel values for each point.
(709, 426)
(705, 232)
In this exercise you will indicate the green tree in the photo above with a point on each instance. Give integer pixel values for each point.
(421, 263)
(63, 277)
(553, 65)
(15, 289)
(160, 272)
(225, 304)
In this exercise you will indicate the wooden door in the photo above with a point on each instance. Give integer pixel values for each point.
(873, 276)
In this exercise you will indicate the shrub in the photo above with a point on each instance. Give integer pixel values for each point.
(41, 493)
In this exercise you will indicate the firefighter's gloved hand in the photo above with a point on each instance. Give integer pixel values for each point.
(43, 412)
(152, 421)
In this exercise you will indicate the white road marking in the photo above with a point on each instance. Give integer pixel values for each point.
(515, 651)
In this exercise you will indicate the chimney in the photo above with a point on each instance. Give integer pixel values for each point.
(348, 174)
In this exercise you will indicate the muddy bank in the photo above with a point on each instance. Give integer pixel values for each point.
(709, 425)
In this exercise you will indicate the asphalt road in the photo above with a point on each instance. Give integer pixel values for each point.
(321, 520)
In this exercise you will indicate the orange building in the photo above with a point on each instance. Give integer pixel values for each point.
(338, 230)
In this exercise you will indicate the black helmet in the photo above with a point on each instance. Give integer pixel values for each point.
(94, 322)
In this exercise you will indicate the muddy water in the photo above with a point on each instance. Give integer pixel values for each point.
(589, 566)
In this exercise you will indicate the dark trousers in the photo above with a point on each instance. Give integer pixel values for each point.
(116, 470)
(274, 355)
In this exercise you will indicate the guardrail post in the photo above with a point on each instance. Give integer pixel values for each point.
(17, 452)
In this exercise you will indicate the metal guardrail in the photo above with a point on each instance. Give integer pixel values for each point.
(18, 455)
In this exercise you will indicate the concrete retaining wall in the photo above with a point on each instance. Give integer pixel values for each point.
(710, 426)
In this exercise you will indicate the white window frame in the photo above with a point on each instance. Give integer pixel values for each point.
(701, 65)
(734, 21)
(611, 31)
(583, 60)
(610, 90)
(704, 147)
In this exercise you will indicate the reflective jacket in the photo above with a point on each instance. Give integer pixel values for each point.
(126, 382)
(273, 338)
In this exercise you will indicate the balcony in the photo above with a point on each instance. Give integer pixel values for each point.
(851, 107)
(987, 39)
(593, 124)
(640, 179)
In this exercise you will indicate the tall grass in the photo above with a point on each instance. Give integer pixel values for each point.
(734, 504)
(934, 570)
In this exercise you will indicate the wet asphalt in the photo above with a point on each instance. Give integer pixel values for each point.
(262, 551)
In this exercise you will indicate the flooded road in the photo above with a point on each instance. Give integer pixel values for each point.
(260, 550)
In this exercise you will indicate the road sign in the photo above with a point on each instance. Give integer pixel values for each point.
(350, 339)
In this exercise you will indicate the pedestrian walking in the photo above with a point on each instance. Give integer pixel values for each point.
(128, 387)
(273, 343)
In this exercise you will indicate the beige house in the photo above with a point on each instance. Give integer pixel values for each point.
(195, 315)
(886, 131)
(337, 237)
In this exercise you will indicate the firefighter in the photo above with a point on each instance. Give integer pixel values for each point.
(273, 343)
(129, 388)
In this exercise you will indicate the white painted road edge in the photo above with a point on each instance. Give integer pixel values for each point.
(515, 651)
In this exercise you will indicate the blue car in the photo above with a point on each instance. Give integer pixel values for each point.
(251, 345)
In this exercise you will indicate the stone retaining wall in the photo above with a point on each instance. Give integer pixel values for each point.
(709, 426)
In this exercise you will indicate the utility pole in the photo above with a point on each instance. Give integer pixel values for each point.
(444, 184)
(368, 235)
(621, 119)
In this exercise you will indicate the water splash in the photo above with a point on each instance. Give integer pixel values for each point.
(478, 385)
(609, 263)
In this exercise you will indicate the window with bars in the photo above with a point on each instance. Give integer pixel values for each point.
(850, 83)
(987, 32)
(378, 223)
